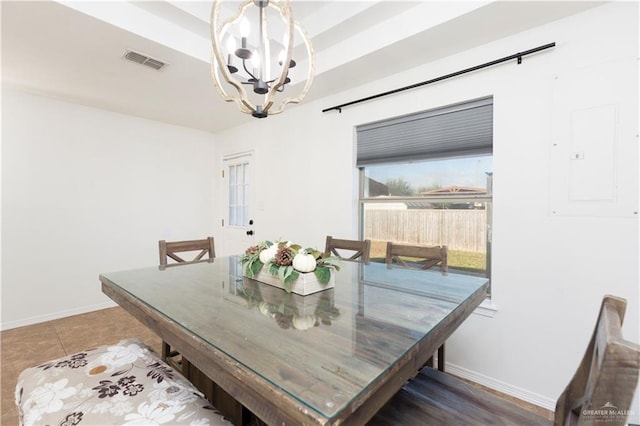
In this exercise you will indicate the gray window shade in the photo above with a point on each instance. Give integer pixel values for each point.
(461, 129)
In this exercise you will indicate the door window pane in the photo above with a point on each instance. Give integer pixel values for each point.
(238, 194)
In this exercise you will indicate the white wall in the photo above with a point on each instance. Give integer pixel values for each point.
(550, 271)
(86, 191)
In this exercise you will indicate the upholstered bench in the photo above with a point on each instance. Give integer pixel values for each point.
(121, 384)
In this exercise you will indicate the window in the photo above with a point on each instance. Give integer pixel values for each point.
(238, 189)
(426, 179)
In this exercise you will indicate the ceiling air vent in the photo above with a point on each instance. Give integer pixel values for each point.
(145, 60)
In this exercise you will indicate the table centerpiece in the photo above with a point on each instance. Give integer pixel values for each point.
(290, 266)
(290, 310)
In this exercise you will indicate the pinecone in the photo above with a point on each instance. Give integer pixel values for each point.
(282, 320)
(284, 257)
(252, 250)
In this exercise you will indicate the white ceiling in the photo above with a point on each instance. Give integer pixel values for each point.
(73, 49)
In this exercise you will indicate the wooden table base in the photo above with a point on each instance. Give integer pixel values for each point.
(228, 406)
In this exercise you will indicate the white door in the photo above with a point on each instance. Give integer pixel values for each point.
(237, 225)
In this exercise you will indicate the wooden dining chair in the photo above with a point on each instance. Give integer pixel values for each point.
(423, 257)
(361, 249)
(170, 250)
(601, 389)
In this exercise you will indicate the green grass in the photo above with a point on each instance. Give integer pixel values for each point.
(467, 260)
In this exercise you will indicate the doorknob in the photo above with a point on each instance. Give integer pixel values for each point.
(250, 232)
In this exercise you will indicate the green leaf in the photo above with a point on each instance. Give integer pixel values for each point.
(323, 274)
(290, 279)
(255, 267)
(273, 268)
(331, 265)
(282, 273)
(315, 253)
(285, 273)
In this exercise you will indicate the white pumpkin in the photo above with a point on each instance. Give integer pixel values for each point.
(264, 308)
(304, 323)
(304, 262)
(268, 254)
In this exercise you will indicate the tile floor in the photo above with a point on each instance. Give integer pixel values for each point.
(31, 345)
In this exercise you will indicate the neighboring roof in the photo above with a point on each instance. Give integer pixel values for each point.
(376, 188)
(455, 190)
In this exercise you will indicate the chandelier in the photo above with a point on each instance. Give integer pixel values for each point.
(253, 48)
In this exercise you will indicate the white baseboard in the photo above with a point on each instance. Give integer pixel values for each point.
(56, 315)
(516, 392)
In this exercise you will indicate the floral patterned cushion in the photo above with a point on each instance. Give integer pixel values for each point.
(121, 384)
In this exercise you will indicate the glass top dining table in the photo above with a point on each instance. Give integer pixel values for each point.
(309, 359)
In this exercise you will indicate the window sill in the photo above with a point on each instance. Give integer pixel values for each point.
(486, 309)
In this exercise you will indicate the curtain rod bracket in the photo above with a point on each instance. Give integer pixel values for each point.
(517, 56)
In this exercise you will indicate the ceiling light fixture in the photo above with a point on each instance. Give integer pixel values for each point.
(243, 45)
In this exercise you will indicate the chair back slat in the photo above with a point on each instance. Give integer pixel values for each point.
(361, 249)
(428, 256)
(606, 378)
(169, 250)
(176, 258)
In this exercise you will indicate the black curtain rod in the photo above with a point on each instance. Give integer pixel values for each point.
(518, 55)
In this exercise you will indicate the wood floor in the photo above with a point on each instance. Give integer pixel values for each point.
(32, 345)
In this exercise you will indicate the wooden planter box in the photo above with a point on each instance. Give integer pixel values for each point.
(305, 284)
(303, 305)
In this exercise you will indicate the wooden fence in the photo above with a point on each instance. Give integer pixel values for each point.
(464, 230)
